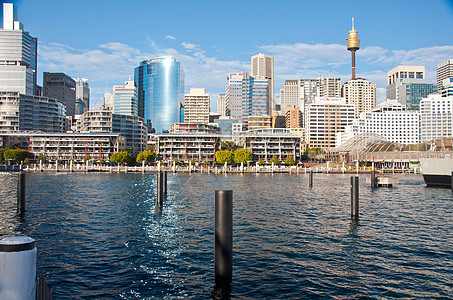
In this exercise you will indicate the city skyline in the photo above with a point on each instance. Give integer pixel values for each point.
(105, 41)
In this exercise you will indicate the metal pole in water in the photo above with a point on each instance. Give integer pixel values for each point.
(223, 228)
(18, 268)
(20, 194)
(160, 194)
(373, 179)
(310, 179)
(354, 197)
(164, 189)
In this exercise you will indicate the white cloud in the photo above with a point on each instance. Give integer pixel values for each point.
(170, 37)
(112, 63)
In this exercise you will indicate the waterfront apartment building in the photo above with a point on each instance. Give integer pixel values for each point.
(326, 117)
(75, 146)
(408, 85)
(82, 103)
(222, 106)
(160, 87)
(61, 87)
(436, 117)
(444, 71)
(267, 143)
(263, 66)
(360, 93)
(389, 119)
(18, 55)
(19, 112)
(293, 118)
(186, 146)
(103, 120)
(196, 106)
(193, 128)
(247, 95)
(123, 100)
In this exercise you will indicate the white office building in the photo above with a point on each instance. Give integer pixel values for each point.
(326, 117)
(263, 66)
(436, 117)
(289, 96)
(222, 106)
(360, 93)
(390, 120)
(196, 106)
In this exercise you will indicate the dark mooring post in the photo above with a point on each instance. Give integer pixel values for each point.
(373, 179)
(160, 187)
(310, 179)
(21, 193)
(354, 197)
(165, 183)
(223, 251)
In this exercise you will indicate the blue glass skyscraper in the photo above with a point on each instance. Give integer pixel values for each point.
(160, 88)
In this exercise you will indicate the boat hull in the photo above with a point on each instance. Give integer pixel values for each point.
(437, 171)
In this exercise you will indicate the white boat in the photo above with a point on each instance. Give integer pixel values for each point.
(437, 171)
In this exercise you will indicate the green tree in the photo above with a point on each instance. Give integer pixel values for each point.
(275, 160)
(313, 153)
(2, 151)
(224, 156)
(86, 158)
(289, 160)
(147, 156)
(26, 161)
(123, 157)
(41, 158)
(261, 162)
(205, 162)
(15, 154)
(192, 161)
(176, 161)
(228, 145)
(242, 156)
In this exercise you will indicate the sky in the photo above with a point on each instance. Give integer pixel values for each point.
(105, 40)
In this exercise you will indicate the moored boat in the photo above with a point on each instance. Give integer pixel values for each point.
(437, 171)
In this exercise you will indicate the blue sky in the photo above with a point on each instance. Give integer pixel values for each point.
(104, 40)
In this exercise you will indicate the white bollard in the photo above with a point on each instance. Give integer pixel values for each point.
(18, 268)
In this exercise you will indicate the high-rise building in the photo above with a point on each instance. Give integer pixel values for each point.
(309, 90)
(444, 71)
(18, 55)
(196, 106)
(123, 100)
(82, 95)
(247, 95)
(447, 87)
(326, 117)
(61, 87)
(222, 106)
(407, 84)
(289, 95)
(293, 118)
(360, 93)
(329, 87)
(160, 86)
(436, 117)
(263, 66)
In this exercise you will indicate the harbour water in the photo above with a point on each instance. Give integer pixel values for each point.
(100, 236)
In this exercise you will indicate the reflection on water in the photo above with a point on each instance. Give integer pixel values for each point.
(101, 236)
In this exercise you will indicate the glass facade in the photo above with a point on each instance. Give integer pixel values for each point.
(160, 87)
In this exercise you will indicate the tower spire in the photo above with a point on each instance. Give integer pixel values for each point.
(353, 44)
